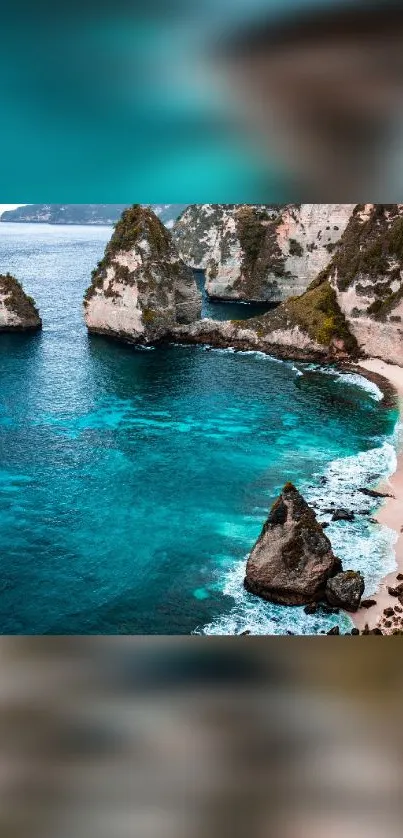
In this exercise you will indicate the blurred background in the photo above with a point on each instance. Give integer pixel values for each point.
(209, 101)
(134, 736)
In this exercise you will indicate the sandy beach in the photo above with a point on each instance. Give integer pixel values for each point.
(390, 515)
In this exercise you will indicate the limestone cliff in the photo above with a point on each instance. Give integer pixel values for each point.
(309, 327)
(141, 289)
(258, 252)
(367, 274)
(18, 312)
(206, 232)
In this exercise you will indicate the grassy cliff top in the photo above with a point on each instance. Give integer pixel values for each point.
(316, 312)
(17, 301)
(136, 223)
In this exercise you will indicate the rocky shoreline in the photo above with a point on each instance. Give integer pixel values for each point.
(144, 293)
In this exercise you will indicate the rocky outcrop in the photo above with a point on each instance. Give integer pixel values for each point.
(345, 590)
(141, 290)
(258, 252)
(311, 327)
(18, 311)
(366, 272)
(292, 559)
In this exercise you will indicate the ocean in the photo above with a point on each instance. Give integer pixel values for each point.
(134, 481)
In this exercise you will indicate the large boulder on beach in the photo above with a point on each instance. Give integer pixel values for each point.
(345, 590)
(292, 559)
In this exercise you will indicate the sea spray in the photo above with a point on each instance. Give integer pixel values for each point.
(361, 544)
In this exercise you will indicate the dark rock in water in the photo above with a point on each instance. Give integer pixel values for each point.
(343, 515)
(244, 633)
(372, 493)
(368, 603)
(334, 630)
(326, 608)
(292, 559)
(324, 525)
(388, 612)
(311, 608)
(355, 631)
(345, 590)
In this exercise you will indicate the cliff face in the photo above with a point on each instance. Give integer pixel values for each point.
(206, 231)
(367, 274)
(257, 252)
(18, 312)
(141, 289)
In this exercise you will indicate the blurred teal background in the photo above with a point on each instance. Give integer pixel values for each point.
(121, 102)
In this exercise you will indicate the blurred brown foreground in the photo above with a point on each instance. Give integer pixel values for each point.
(120, 737)
(321, 85)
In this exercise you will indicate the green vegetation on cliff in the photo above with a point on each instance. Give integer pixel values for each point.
(318, 313)
(136, 223)
(370, 255)
(17, 301)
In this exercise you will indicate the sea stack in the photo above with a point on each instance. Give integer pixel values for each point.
(292, 559)
(18, 312)
(141, 289)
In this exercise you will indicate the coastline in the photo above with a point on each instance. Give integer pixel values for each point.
(390, 514)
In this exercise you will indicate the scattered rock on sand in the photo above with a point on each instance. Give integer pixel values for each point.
(368, 603)
(334, 630)
(388, 612)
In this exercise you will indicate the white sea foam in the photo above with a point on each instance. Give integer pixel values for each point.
(347, 378)
(361, 544)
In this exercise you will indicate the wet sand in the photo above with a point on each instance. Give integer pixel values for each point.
(390, 515)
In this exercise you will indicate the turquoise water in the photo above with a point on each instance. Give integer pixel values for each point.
(133, 482)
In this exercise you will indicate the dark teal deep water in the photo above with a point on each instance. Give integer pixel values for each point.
(134, 482)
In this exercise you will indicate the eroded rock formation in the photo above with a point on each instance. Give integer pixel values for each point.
(141, 289)
(292, 559)
(18, 311)
(309, 327)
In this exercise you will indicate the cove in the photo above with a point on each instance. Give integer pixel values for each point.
(134, 481)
